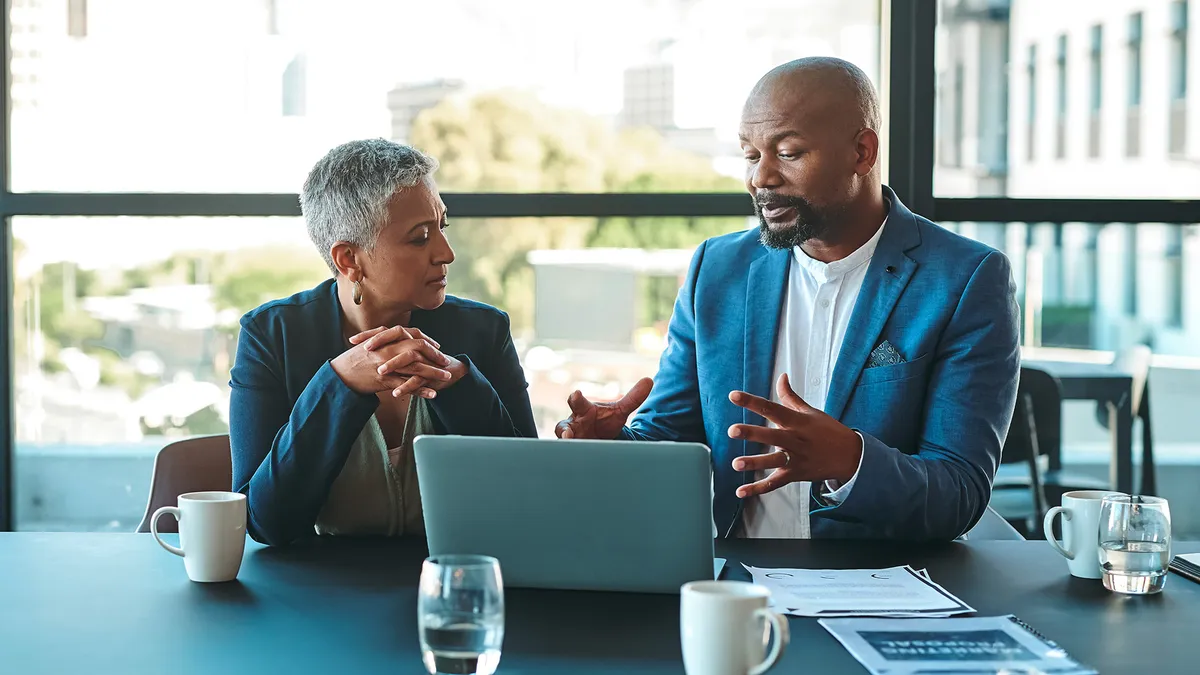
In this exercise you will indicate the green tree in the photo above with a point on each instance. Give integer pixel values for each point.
(510, 142)
(61, 289)
(247, 278)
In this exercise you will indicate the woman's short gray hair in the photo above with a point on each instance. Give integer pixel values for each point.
(346, 194)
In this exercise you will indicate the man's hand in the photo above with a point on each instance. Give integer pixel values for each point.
(602, 420)
(813, 446)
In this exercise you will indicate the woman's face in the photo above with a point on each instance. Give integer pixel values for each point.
(407, 268)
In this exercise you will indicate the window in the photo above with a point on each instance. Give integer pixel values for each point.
(1177, 123)
(958, 114)
(1133, 122)
(1060, 118)
(1173, 278)
(209, 114)
(1073, 92)
(1179, 51)
(77, 18)
(546, 90)
(1031, 113)
(1095, 89)
(952, 131)
(121, 349)
(1145, 293)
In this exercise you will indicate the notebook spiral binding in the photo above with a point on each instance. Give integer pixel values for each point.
(1032, 631)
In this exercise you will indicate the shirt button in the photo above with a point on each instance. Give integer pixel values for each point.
(815, 381)
(824, 303)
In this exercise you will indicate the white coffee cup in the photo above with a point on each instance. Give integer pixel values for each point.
(212, 533)
(724, 628)
(1081, 529)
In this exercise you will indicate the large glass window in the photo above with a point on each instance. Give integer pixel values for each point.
(1103, 286)
(124, 329)
(1075, 90)
(244, 95)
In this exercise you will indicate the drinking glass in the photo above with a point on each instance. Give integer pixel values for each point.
(460, 614)
(1135, 543)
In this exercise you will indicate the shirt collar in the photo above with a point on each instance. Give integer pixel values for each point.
(838, 268)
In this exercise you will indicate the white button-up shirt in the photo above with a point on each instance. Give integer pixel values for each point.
(816, 312)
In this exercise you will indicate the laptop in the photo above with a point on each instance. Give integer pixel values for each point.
(581, 515)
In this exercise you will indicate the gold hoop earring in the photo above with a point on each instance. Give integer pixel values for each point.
(358, 292)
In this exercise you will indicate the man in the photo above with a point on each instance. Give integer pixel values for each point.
(852, 365)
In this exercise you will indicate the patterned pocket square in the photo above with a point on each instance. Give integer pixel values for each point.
(884, 355)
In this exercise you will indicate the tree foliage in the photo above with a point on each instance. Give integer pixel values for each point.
(510, 142)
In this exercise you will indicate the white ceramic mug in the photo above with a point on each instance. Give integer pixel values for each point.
(212, 533)
(724, 628)
(1080, 528)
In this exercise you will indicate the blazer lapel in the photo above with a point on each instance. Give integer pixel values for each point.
(333, 340)
(765, 288)
(889, 273)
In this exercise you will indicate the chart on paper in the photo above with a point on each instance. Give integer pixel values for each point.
(895, 591)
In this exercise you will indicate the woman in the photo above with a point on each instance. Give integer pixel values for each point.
(331, 385)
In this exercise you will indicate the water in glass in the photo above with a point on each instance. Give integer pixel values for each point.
(1135, 567)
(1135, 543)
(461, 615)
(463, 644)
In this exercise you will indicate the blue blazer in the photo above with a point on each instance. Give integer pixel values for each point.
(932, 425)
(292, 420)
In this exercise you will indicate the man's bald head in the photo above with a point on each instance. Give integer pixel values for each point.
(809, 133)
(825, 83)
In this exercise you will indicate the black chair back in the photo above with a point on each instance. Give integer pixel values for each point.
(1036, 431)
(1037, 420)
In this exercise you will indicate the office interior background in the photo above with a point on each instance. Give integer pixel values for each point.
(153, 150)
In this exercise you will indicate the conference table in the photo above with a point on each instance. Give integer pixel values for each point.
(117, 603)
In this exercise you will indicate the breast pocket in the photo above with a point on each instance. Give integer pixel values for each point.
(893, 373)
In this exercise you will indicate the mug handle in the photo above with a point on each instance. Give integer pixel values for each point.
(154, 528)
(1048, 529)
(779, 628)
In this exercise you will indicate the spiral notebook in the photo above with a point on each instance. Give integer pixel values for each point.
(991, 644)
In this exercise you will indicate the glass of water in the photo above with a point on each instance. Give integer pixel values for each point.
(460, 614)
(1135, 543)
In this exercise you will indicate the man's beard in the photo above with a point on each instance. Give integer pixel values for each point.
(810, 222)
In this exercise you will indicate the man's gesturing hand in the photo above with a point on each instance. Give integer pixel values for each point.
(813, 446)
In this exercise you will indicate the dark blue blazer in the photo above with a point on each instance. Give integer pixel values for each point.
(292, 420)
(932, 426)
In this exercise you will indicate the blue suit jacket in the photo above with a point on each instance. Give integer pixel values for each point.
(932, 425)
(292, 420)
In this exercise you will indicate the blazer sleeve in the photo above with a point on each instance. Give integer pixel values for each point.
(286, 457)
(672, 411)
(492, 401)
(943, 489)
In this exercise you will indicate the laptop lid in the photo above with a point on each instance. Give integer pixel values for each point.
(588, 515)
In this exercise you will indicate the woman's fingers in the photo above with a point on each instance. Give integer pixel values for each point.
(414, 351)
(376, 338)
(417, 333)
(415, 386)
(360, 337)
(423, 370)
(386, 337)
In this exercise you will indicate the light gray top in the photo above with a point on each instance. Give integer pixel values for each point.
(373, 496)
